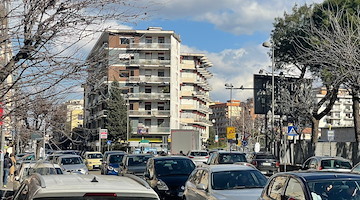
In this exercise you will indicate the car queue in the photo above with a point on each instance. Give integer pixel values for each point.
(222, 175)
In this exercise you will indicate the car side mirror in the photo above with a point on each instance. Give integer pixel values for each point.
(147, 176)
(201, 186)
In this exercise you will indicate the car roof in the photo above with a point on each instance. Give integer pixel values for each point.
(329, 158)
(78, 185)
(135, 155)
(93, 152)
(321, 175)
(69, 156)
(237, 152)
(198, 151)
(227, 167)
(171, 158)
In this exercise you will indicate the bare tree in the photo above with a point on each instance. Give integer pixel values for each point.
(42, 41)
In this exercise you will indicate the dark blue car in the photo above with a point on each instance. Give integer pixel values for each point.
(312, 186)
(111, 165)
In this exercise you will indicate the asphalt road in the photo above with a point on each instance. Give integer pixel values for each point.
(95, 172)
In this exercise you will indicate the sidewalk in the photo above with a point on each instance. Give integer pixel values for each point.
(9, 185)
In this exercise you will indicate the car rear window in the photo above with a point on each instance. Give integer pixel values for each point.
(227, 180)
(197, 153)
(95, 155)
(71, 161)
(335, 164)
(116, 158)
(265, 156)
(174, 167)
(230, 158)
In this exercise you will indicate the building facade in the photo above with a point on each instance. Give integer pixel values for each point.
(147, 65)
(341, 114)
(194, 97)
(74, 114)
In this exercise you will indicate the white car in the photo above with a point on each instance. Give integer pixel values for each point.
(85, 187)
(73, 164)
(198, 156)
(231, 182)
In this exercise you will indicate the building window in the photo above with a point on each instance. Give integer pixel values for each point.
(161, 106)
(124, 40)
(161, 73)
(147, 105)
(160, 122)
(80, 117)
(124, 73)
(148, 40)
(132, 73)
(131, 106)
(148, 89)
(161, 39)
(161, 56)
(148, 72)
(148, 56)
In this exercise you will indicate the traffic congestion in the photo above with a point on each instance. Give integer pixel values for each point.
(223, 174)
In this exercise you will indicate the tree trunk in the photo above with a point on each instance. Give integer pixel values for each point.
(356, 116)
(314, 130)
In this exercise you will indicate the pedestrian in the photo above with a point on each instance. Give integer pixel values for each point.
(12, 168)
(7, 165)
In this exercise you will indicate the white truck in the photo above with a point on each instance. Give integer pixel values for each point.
(184, 140)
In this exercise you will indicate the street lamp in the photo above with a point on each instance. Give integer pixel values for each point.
(230, 86)
(269, 45)
(217, 132)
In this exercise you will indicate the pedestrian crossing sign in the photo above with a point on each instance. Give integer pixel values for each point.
(292, 131)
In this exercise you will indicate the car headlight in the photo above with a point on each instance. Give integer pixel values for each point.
(83, 171)
(112, 169)
(161, 185)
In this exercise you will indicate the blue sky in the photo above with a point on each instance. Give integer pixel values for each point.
(229, 32)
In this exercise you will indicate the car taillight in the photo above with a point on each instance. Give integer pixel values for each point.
(191, 156)
(100, 195)
(253, 162)
(277, 164)
(207, 157)
(320, 168)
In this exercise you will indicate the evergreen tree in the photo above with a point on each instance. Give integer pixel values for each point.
(116, 117)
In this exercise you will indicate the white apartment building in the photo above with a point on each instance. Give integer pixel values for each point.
(341, 114)
(195, 93)
(147, 65)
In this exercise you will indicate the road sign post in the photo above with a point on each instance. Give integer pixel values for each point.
(103, 133)
(330, 137)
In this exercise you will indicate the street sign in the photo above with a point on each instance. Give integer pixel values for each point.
(103, 133)
(216, 138)
(244, 143)
(331, 135)
(292, 131)
(257, 147)
(108, 142)
(230, 132)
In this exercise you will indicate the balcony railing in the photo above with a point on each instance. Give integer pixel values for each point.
(153, 130)
(202, 120)
(156, 113)
(162, 96)
(149, 62)
(150, 45)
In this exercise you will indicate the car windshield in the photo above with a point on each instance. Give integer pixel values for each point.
(138, 160)
(265, 156)
(335, 164)
(94, 197)
(71, 161)
(335, 189)
(228, 180)
(117, 158)
(174, 167)
(230, 158)
(46, 171)
(198, 153)
(95, 155)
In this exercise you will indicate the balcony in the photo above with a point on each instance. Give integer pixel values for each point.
(149, 62)
(203, 121)
(159, 96)
(204, 72)
(187, 93)
(102, 113)
(153, 130)
(188, 79)
(205, 109)
(150, 46)
(149, 113)
(102, 81)
(348, 110)
(187, 107)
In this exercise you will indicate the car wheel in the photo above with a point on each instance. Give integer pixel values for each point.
(101, 172)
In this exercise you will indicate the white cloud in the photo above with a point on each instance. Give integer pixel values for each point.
(235, 66)
(234, 16)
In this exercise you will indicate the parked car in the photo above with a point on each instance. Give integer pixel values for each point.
(226, 157)
(72, 164)
(167, 175)
(111, 165)
(198, 156)
(93, 160)
(327, 163)
(134, 164)
(312, 185)
(213, 182)
(26, 158)
(356, 168)
(85, 187)
(267, 163)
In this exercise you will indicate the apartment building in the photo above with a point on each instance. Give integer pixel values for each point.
(341, 114)
(224, 114)
(147, 64)
(194, 97)
(74, 113)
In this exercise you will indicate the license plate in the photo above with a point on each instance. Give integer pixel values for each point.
(181, 194)
(96, 165)
(266, 164)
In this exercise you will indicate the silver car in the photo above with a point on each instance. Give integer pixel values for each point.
(198, 156)
(327, 163)
(225, 182)
(73, 164)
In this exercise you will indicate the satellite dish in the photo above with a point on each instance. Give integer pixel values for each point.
(257, 147)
